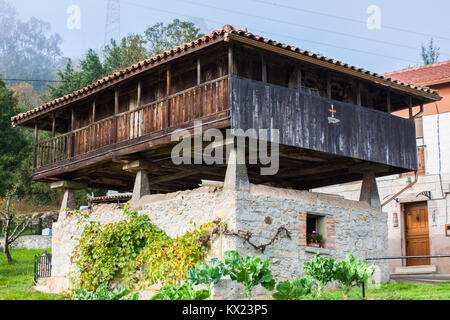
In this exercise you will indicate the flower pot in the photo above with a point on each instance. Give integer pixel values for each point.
(315, 245)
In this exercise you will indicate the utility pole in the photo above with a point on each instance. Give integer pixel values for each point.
(112, 27)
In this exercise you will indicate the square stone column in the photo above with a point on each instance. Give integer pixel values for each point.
(369, 190)
(141, 183)
(236, 178)
(68, 201)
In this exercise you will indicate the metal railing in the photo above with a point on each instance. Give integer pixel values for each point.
(42, 266)
(363, 285)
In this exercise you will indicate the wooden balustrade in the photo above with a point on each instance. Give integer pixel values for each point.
(169, 113)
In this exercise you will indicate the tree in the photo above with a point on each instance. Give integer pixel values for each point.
(91, 69)
(430, 54)
(130, 51)
(14, 225)
(15, 144)
(28, 49)
(161, 38)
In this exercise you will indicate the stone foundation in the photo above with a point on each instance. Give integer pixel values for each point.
(349, 227)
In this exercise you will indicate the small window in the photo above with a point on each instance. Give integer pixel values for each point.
(315, 231)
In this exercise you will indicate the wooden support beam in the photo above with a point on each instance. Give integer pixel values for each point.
(199, 71)
(116, 101)
(139, 94)
(230, 60)
(36, 141)
(116, 112)
(53, 124)
(64, 184)
(168, 89)
(72, 119)
(93, 110)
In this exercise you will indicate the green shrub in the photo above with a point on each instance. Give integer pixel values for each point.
(250, 271)
(184, 292)
(352, 272)
(296, 289)
(132, 247)
(103, 293)
(321, 270)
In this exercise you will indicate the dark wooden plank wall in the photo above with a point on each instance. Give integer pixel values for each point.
(302, 119)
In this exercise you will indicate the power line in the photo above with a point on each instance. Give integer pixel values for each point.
(30, 80)
(348, 19)
(299, 25)
(276, 34)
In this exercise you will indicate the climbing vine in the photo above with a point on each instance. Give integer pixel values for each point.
(136, 251)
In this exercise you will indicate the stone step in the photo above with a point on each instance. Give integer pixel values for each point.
(415, 270)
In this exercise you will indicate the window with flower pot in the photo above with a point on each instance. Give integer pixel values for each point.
(315, 230)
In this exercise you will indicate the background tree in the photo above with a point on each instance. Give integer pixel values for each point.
(430, 53)
(28, 50)
(14, 225)
(14, 143)
(162, 37)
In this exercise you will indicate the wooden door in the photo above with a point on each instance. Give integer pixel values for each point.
(417, 233)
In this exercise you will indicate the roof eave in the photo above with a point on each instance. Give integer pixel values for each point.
(347, 70)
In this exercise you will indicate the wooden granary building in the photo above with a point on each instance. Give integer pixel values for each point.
(228, 79)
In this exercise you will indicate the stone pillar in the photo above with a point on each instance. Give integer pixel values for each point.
(236, 178)
(68, 201)
(141, 183)
(369, 190)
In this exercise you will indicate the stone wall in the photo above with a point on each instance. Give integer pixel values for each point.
(350, 227)
(30, 242)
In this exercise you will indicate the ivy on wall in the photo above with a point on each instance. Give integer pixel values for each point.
(137, 251)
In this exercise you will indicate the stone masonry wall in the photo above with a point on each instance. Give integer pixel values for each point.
(350, 227)
(30, 242)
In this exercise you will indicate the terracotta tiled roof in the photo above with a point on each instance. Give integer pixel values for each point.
(426, 74)
(219, 35)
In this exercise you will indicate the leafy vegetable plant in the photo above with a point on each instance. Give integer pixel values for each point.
(207, 274)
(103, 293)
(321, 270)
(294, 289)
(184, 292)
(351, 272)
(250, 271)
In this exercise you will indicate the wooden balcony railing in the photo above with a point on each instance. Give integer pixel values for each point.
(171, 112)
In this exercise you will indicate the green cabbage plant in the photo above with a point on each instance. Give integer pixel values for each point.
(250, 271)
(352, 272)
(321, 270)
(103, 293)
(184, 292)
(207, 274)
(295, 289)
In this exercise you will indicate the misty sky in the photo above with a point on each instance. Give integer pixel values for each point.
(330, 36)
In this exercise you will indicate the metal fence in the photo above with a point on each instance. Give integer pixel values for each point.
(42, 266)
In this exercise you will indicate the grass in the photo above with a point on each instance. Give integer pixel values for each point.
(16, 278)
(395, 291)
(16, 281)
